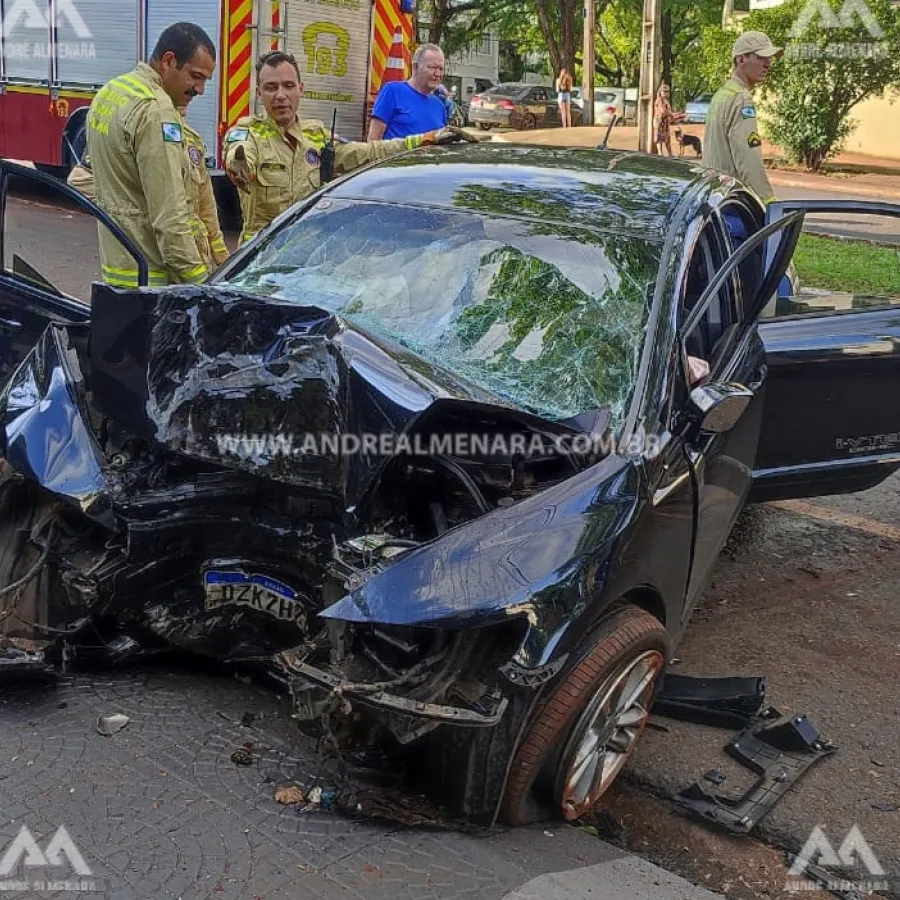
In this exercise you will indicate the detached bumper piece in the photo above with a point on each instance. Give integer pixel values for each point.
(780, 750)
(724, 701)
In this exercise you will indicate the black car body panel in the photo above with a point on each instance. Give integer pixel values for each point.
(441, 591)
(829, 427)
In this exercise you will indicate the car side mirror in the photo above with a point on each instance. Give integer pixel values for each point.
(717, 408)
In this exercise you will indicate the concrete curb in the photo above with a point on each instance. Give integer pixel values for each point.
(839, 187)
(630, 877)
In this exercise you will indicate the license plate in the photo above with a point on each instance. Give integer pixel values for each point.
(259, 592)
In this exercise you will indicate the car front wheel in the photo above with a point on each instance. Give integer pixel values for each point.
(585, 730)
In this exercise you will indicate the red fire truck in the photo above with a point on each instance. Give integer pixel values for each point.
(56, 54)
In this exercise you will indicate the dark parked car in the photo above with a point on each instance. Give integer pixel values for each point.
(520, 106)
(428, 450)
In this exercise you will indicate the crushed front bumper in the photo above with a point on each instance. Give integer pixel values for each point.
(319, 689)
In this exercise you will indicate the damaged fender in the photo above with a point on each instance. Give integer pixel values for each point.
(46, 432)
(526, 560)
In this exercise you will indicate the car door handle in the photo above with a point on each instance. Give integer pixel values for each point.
(10, 325)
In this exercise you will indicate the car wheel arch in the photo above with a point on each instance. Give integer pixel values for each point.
(530, 765)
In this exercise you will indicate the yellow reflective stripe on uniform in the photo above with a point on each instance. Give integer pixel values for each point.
(196, 275)
(246, 236)
(218, 245)
(129, 277)
(316, 138)
(119, 86)
(413, 141)
(139, 86)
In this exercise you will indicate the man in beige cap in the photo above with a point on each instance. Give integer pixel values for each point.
(731, 142)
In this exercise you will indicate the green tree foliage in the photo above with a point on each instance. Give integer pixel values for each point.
(831, 63)
(684, 23)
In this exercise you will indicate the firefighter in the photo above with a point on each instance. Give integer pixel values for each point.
(204, 216)
(275, 160)
(732, 143)
(142, 168)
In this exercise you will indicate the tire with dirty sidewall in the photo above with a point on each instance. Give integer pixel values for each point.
(624, 635)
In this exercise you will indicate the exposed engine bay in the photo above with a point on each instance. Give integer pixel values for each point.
(135, 529)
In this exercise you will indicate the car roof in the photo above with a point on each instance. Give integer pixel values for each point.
(602, 190)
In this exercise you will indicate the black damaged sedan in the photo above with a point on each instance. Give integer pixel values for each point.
(450, 450)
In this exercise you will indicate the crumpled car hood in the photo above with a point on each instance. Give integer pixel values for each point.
(248, 383)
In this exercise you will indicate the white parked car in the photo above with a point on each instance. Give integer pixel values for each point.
(608, 102)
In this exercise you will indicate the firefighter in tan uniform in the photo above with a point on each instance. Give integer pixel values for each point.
(275, 160)
(731, 142)
(204, 216)
(141, 163)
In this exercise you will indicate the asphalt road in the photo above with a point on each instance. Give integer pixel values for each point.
(808, 600)
(883, 229)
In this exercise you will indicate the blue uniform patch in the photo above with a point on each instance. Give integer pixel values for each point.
(312, 157)
(749, 112)
(237, 134)
(172, 132)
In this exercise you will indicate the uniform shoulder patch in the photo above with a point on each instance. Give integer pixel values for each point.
(312, 157)
(263, 129)
(753, 139)
(748, 112)
(195, 155)
(171, 132)
(237, 134)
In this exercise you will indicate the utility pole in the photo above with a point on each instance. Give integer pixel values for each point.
(590, 65)
(650, 67)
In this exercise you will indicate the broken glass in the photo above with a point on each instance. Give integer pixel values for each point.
(545, 317)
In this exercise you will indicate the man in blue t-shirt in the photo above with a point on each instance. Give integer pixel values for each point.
(410, 107)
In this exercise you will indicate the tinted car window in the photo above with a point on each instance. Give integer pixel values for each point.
(503, 90)
(547, 317)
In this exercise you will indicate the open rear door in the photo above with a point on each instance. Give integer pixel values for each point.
(831, 420)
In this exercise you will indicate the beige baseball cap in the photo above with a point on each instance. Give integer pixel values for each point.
(755, 42)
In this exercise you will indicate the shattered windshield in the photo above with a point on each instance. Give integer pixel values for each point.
(546, 318)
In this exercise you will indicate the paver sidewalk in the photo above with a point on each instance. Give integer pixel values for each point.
(160, 810)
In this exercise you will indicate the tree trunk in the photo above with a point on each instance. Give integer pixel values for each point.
(438, 21)
(546, 24)
(666, 48)
(556, 19)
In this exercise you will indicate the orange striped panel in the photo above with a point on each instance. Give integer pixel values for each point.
(387, 18)
(276, 22)
(240, 51)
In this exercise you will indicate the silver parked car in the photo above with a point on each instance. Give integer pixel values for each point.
(697, 110)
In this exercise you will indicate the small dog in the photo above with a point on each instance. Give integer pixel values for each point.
(688, 140)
